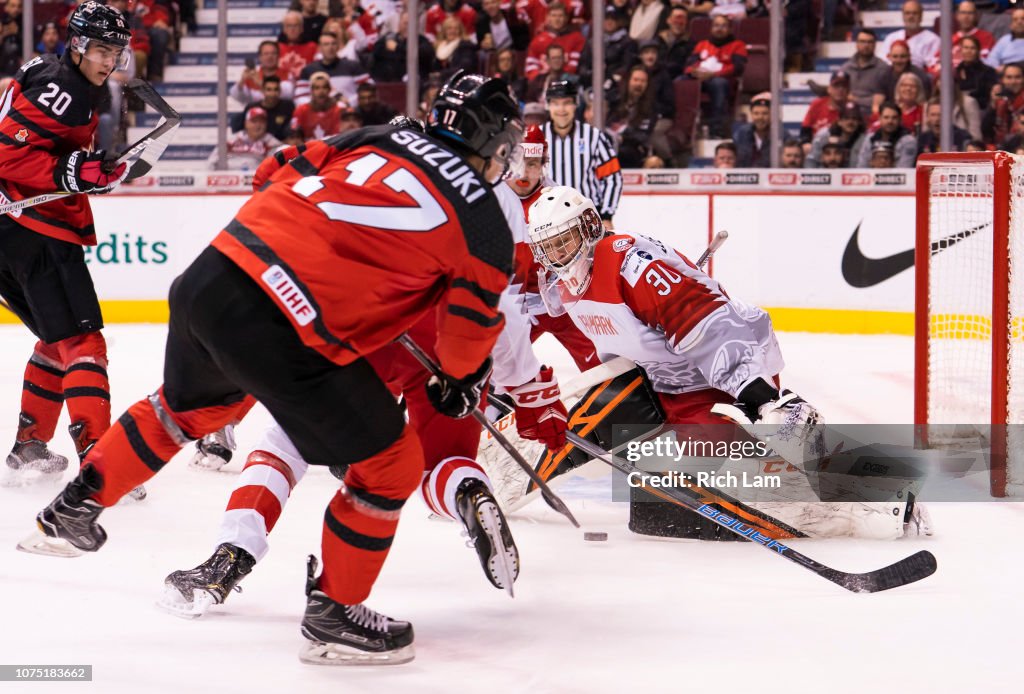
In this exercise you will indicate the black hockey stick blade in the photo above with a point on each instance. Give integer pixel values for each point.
(907, 570)
(157, 140)
(149, 96)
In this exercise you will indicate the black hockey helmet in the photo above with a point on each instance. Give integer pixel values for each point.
(563, 89)
(477, 114)
(92, 20)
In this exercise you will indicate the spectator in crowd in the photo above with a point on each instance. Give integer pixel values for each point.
(900, 64)
(929, 139)
(924, 44)
(10, 37)
(250, 83)
(1000, 120)
(645, 20)
(250, 146)
(890, 130)
(537, 88)
(974, 77)
(156, 18)
(675, 44)
(579, 13)
(824, 111)
(387, 63)
(504, 66)
(1010, 48)
(967, 25)
(294, 53)
(345, 74)
(453, 51)
(350, 120)
(358, 25)
(797, 44)
(449, 8)
(725, 155)
(427, 95)
(966, 113)
(833, 156)
(753, 139)
(868, 74)
(620, 50)
(49, 40)
(312, 21)
(371, 111)
(848, 133)
(498, 29)
(792, 156)
(279, 111)
(881, 155)
(1014, 142)
(319, 117)
(718, 62)
(664, 102)
(975, 146)
(632, 120)
(910, 99)
(533, 13)
(534, 114)
(556, 31)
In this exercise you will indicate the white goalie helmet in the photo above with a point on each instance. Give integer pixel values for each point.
(564, 228)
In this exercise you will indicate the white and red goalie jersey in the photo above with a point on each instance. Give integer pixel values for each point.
(648, 303)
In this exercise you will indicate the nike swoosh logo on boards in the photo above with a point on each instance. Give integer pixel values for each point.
(861, 272)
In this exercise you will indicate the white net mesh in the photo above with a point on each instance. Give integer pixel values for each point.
(960, 294)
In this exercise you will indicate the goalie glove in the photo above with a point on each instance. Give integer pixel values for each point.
(790, 425)
(457, 398)
(87, 172)
(540, 414)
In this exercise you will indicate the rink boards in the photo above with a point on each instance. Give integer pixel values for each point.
(792, 252)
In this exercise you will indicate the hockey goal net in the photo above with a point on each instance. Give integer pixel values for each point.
(969, 345)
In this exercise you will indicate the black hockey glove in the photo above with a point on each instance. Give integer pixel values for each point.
(458, 397)
(86, 172)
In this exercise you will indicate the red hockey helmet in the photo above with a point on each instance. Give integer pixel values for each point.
(530, 168)
(534, 145)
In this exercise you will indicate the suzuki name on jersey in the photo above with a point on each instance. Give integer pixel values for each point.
(291, 296)
(457, 172)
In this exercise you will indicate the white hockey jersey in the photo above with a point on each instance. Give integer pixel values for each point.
(648, 303)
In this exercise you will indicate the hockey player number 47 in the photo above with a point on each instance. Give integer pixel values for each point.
(426, 215)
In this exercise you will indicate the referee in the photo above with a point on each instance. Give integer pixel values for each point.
(581, 156)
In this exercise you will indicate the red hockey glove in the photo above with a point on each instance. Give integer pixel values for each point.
(540, 414)
(86, 172)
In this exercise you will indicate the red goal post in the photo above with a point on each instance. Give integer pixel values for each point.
(969, 308)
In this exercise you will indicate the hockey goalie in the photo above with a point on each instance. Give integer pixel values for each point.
(695, 353)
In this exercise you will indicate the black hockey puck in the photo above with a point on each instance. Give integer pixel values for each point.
(595, 537)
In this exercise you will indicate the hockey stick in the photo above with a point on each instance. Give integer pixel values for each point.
(553, 499)
(715, 244)
(140, 157)
(907, 570)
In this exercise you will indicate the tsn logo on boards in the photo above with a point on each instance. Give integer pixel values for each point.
(126, 249)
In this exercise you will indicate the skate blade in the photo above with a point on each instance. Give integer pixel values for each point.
(207, 463)
(504, 563)
(320, 653)
(40, 543)
(173, 602)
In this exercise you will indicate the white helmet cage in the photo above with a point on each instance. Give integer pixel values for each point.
(564, 228)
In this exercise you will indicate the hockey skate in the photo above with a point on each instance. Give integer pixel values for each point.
(68, 527)
(214, 451)
(488, 533)
(31, 462)
(190, 594)
(350, 634)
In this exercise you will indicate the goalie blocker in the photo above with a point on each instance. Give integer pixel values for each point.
(625, 409)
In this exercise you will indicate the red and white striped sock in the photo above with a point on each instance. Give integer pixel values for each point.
(440, 484)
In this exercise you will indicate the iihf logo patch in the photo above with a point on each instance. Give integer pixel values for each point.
(21, 135)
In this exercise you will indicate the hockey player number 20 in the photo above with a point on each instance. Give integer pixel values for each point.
(426, 215)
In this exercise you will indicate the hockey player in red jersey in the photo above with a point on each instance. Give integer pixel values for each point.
(345, 248)
(47, 120)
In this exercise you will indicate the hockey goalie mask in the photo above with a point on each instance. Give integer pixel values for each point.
(564, 228)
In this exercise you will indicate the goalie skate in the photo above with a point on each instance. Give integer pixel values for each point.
(488, 533)
(214, 451)
(31, 462)
(190, 594)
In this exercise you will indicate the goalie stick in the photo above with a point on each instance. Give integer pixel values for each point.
(907, 570)
(140, 157)
(552, 499)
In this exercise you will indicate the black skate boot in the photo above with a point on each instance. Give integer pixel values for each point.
(30, 460)
(350, 634)
(68, 527)
(489, 533)
(84, 443)
(191, 593)
(214, 451)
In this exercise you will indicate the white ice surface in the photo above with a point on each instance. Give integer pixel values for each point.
(630, 614)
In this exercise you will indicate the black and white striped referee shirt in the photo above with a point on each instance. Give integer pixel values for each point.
(585, 159)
